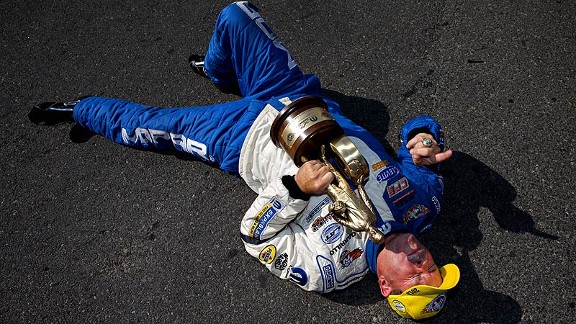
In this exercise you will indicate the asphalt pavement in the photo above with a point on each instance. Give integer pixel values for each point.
(97, 232)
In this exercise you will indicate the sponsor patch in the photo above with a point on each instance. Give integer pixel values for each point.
(268, 211)
(379, 165)
(404, 199)
(399, 306)
(268, 254)
(397, 187)
(435, 305)
(298, 276)
(328, 276)
(320, 221)
(154, 137)
(414, 212)
(342, 244)
(385, 228)
(317, 209)
(387, 173)
(347, 257)
(281, 261)
(327, 272)
(332, 233)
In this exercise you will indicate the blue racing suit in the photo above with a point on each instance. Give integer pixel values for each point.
(294, 238)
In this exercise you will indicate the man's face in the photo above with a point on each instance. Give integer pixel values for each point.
(405, 262)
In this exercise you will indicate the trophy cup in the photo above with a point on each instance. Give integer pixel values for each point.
(306, 131)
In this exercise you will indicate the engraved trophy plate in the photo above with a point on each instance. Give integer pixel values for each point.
(302, 127)
(305, 120)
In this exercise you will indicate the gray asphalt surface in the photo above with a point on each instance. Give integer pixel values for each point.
(96, 232)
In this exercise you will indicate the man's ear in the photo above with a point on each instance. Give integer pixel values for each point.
(385, 288)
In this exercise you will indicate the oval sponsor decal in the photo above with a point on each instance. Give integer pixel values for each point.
(277, 204)
(268, 254)
(387, 173)
(332, 233)
(399, 306)
(438, 303)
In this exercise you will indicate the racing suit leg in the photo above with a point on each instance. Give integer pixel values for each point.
(245, 50)
(213, 134)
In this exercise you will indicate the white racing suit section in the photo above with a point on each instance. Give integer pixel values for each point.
(293, 238)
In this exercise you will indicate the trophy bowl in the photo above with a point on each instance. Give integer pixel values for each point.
(302, 127)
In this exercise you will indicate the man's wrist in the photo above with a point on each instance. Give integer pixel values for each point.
(293, 189)
(419, 130)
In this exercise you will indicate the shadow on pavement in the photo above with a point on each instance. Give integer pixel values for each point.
(469, 186)
(368, 113)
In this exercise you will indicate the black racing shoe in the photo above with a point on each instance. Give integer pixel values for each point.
(52, 113)
(197, 64)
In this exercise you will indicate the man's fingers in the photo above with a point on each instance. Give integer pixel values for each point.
(441, 157)
(411, 143)
(418, 139)
(314, 177)
(433, 159)
(315, 165)
(424, 151)
(327, 178)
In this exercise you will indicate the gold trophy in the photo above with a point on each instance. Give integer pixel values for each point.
(306, 131)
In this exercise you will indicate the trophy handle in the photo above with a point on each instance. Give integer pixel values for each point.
(349, 159)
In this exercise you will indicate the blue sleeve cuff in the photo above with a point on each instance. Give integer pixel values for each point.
(422, 124)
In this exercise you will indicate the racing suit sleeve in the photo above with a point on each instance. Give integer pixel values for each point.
(426, 177)
(420, 124)
(263, 167)
(270, 212)
(272, 233)
(269, 237)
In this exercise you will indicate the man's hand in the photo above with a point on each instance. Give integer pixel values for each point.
(423, 155)
(313, 177)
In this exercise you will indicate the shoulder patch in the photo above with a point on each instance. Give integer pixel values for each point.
(268, 211)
